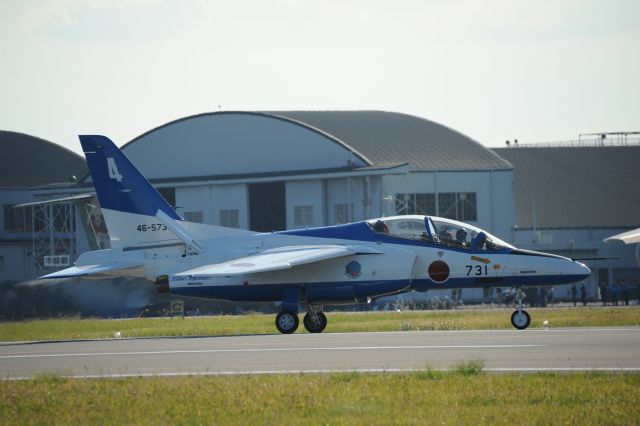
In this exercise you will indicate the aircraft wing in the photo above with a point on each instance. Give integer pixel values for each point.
(104, 269)
(279, 259)
(628, 237)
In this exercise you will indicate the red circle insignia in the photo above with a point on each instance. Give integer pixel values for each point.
(439, 271)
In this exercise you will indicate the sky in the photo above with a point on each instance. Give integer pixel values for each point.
(495, 70)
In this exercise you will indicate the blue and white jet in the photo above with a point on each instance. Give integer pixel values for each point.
(342, 264)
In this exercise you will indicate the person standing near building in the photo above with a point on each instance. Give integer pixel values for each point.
(574, 291)
(624, 292)
(615, 293)
(583, 295)
(603, 292)
(542, 297)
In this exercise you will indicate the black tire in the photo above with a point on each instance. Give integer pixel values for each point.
(315, 326)
(520, 319)
(287, 322)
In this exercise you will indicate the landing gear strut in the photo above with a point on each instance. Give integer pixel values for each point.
(520, 319)
(287, 320)
(315, 320)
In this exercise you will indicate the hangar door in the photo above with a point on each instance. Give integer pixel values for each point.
(267, 207)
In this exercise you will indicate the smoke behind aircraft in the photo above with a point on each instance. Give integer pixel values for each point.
(109, 297)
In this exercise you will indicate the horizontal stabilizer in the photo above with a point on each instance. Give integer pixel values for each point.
(84, 270)
(279, 259)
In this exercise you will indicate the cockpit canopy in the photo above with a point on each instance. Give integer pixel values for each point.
(438, 230)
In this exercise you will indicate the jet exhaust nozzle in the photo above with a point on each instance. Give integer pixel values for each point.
(162, 284)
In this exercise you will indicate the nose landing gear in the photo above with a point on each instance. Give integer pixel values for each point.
(520, 318)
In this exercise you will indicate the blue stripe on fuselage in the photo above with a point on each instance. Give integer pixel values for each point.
(360, 231)
(424, 284)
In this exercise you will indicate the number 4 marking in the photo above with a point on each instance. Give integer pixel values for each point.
(113, 170)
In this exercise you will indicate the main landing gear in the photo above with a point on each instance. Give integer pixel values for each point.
(287, 322)
(314, 320)
(520, 318)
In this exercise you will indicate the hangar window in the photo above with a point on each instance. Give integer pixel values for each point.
(343, 213)
(303, 216)
(458, 206)
(63, 217)
(196, 217)
(230, 218)
(452, 205)
(422, 204)
(17, 219)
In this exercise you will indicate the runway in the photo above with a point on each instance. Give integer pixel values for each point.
(562, 350)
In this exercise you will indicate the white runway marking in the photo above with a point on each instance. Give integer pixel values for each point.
(205, 351)
(338, 371)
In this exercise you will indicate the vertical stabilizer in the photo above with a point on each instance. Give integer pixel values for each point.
(128, 201)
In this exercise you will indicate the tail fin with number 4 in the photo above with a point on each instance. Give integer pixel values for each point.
(130, 205)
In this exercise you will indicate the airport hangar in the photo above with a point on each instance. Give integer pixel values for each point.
(284, 170)
(572, 196)
(32, 170)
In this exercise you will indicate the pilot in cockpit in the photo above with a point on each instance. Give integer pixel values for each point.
(444, 234)
(381, 227)
(461, 237)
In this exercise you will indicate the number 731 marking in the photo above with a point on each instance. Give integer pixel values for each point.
(476, 269)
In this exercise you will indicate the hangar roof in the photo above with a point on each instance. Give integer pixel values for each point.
(390, 137)
(379, 138)
(27, 161)
(578, 187)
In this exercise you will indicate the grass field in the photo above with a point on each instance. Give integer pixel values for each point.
(465, 319)
(464, 396)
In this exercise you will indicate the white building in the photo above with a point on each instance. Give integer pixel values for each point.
(286, 170)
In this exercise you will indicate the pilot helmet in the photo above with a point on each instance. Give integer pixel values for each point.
(461, 234)
(379, 226)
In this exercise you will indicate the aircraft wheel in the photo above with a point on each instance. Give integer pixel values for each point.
(315, 323)
(520, 319)
(287, 322)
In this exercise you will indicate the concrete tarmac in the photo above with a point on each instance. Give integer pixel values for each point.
(560, 350)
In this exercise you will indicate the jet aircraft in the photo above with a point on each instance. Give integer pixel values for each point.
(342, 264)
